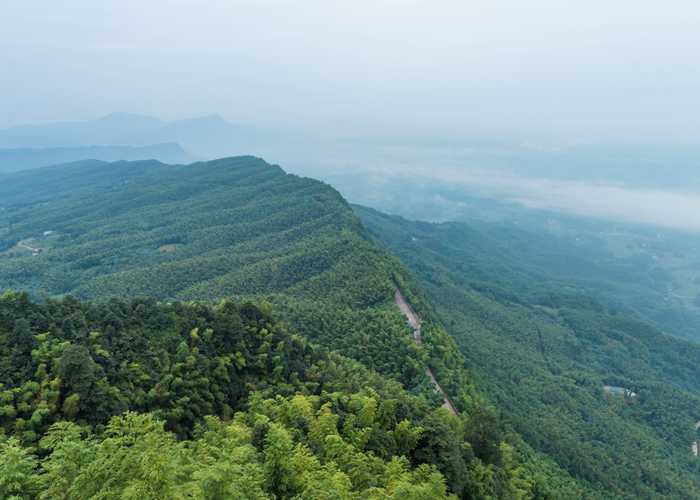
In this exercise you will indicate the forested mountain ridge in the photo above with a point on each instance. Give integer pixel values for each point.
(607, 396)
(647, 270)
(172, 232)
(235, 227)
(231, 227)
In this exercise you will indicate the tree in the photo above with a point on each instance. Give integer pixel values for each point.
(279, 472)
(77, 371)
(19, 478)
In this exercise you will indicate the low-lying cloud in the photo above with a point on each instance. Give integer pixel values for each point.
(648, 206)
(420, 193)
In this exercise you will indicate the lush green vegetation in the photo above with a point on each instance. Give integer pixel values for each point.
(650, 272)
(233, 227)
(137, 399)
(543, 352)
(236, 227)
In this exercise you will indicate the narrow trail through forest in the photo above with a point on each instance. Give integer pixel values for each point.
(27, 247)
(414, 320)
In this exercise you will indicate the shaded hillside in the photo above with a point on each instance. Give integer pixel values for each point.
(239, 227)
(236, 227)
(232, 226)
(651, 271)
(549, 359)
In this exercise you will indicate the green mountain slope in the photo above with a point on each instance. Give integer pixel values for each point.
(177, 232)
(285, 418)
(233, 227)
(650, 271)
(241, 228)
(557, 363)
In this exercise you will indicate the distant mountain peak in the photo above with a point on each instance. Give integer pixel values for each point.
(121, 116)
(16, 159)
(208, 135)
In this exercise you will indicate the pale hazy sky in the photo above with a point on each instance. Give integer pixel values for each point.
(550, 70)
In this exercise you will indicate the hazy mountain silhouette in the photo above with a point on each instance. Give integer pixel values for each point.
(13, 160)
(202, 136)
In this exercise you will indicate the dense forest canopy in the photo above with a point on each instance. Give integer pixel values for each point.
(606, 395)
(647, 270)
(225, 329)
(128, 399)
(191, 374)
(236, 225)
(172, 366)
(477, 276)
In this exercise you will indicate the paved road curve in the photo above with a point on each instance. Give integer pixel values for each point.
(414, 320)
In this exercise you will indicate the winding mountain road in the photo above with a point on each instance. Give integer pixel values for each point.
(27, 247)
(414, 321)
